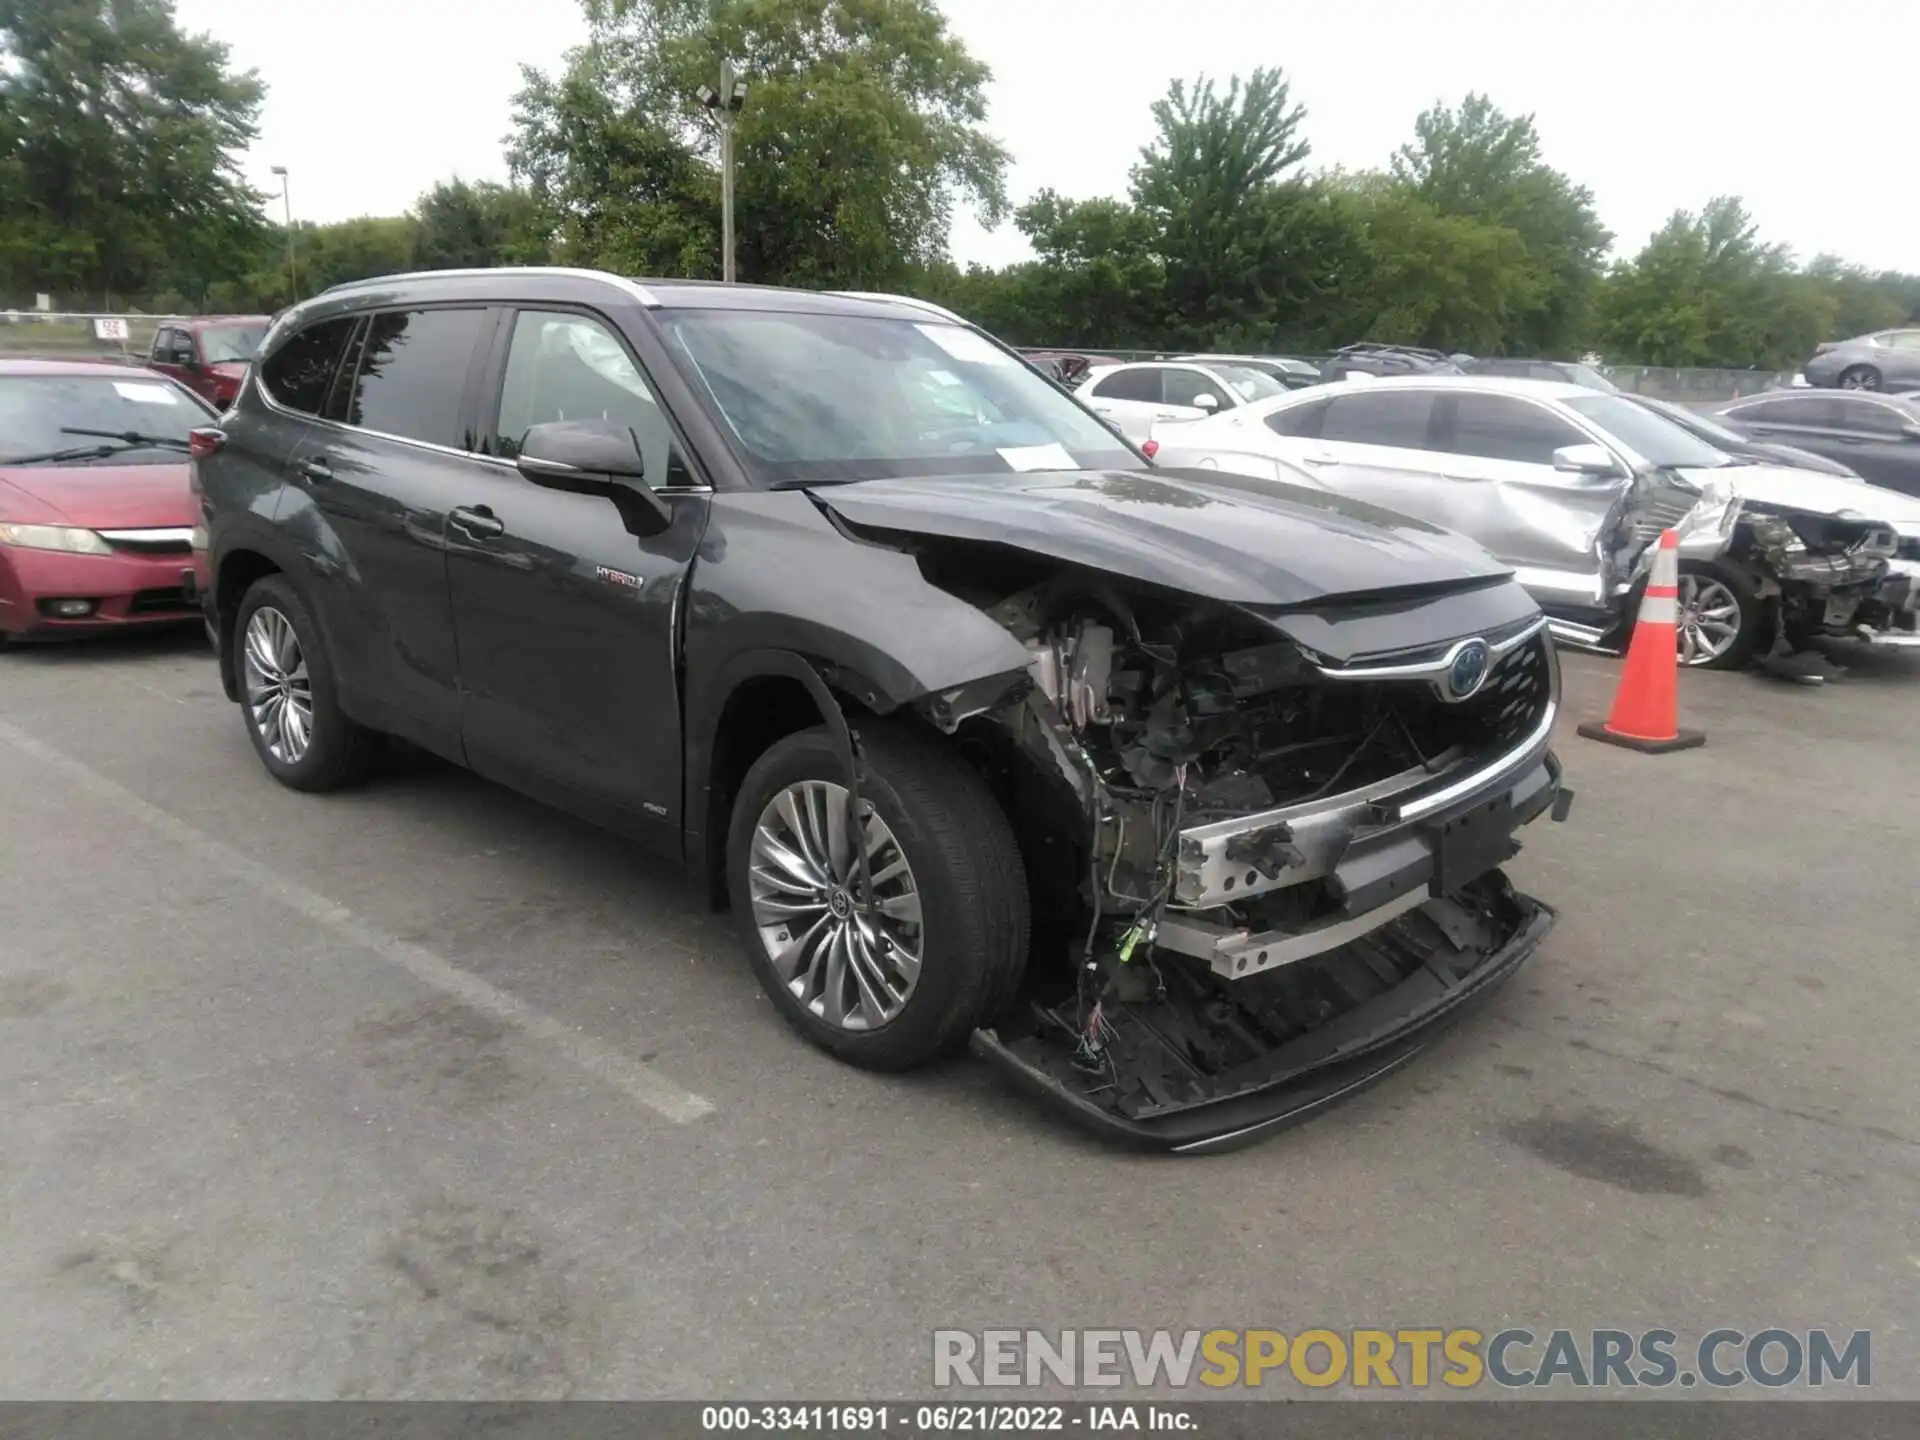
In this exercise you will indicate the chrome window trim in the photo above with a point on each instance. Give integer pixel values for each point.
(266, 398)
(913, 302)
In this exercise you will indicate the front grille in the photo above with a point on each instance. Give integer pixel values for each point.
(150, 542)
(160, 602)
(1342, 735)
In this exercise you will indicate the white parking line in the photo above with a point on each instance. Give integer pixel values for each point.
(639, 1081)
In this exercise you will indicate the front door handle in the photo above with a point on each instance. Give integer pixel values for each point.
(477, 522)
(1320, 458)
(317, 470)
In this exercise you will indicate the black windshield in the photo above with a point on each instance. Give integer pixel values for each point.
(842, 397)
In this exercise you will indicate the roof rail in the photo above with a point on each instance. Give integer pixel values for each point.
(914, 301)
(633, 288)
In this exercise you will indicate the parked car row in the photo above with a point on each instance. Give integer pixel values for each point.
(1570, 486)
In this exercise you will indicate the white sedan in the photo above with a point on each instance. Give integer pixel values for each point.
(1139, 395)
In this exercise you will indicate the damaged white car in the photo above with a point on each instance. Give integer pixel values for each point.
(1570, 487)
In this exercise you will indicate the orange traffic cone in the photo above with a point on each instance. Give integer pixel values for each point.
(1646, 707)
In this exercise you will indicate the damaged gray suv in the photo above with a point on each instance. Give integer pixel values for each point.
(1181, 798)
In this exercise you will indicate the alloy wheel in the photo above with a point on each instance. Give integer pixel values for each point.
(1860, 380)
(279, 692)
(1709, 619)
(852, 965)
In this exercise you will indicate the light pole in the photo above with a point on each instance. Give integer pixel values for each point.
(286, 200)
(725, 104)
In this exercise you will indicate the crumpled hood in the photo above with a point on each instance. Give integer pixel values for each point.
(1207, 533)
(1819, 493)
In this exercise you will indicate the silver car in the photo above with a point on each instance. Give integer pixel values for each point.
(1570, 487)
(1884, 360)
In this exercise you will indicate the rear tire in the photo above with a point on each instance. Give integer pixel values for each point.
(288, 695)
(1707, 592)
(1860, 377)
(949, 857)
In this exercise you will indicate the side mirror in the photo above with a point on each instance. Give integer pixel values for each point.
(1585, 460)
(595, 457)
(1206, 401)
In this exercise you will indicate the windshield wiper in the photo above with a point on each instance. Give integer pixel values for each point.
(77, 452)
(130, 439)
(810, 484)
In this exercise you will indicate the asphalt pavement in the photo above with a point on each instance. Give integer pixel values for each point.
(423, 1090)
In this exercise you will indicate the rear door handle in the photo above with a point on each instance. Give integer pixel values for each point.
(317, 471)
(477, 522)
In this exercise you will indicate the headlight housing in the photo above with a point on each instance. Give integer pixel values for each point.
(68, 539)
(1774, 533)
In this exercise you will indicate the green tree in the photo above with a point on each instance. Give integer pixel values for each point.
(1705, 290)
(862, 132)
(1212, 186)
(1421, 276)
(1476, 162)
(120, 138)
(458, 226)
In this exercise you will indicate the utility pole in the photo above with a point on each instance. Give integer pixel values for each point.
(726, 175)
(293, 270)
(725, 104)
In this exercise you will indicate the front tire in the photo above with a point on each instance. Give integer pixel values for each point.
(945, 946)
(1860, 377)
(1720, 618)
(288, 694)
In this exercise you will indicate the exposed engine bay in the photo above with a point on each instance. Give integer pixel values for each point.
(1832, 575)
(1212, 816)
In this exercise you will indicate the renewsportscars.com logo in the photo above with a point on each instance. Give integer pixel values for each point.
(1402, 1359)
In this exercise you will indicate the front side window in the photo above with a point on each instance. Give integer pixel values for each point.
(1185, 387)
(412, 373)
(810, 398)
(1902, 339)
(563, 366)
(1499, 427)
(1869, 416)
(298, 373)
(1141, 383)
(43, 417)
(1388, 417)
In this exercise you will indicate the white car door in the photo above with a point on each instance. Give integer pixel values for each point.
(1132, 396)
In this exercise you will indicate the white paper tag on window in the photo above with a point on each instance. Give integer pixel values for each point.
(145, 394)
(1039, 457)
(964, 345)
(943, 377)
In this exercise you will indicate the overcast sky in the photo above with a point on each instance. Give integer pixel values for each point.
(1652, 106)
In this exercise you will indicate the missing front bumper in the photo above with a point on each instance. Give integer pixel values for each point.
(1210, 1068)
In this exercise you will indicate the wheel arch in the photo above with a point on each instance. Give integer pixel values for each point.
(238, 571)
(757, 699)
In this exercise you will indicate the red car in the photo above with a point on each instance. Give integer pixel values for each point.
(209, 355)
(96, 510)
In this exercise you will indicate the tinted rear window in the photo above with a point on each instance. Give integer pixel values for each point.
(298, 372)
(413, 372)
